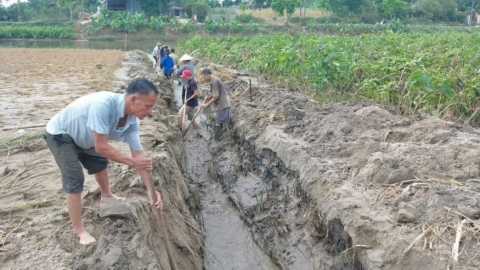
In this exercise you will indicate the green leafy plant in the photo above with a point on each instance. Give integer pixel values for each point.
(436, 72)
(38, 32)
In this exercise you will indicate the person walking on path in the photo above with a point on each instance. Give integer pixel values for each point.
(174, 57)
(167, 64)
(156, 53)
(78, 136)
(187, 64)
(192, 99)
(219, 99)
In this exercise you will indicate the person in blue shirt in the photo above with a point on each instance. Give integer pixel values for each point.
(78, 137)
(167, 64)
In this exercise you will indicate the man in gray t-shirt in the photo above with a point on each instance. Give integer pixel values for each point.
(219, 99)
(78, 137)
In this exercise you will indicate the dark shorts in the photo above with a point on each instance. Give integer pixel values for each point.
(223, 116)
(70, 158)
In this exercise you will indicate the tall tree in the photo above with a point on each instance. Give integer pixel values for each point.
(282, 7)
(67, 4)
(395, 8)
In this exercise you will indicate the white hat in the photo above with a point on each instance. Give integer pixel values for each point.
(185, 57)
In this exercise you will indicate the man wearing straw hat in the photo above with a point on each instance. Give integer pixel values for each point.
(187, 64)
(78, 138)
(219, 99)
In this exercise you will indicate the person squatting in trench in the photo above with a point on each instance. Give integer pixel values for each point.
(78, 136)
(221, 103)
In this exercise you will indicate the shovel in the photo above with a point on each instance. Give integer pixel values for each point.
(193, 119)
(163, 228)
(184, 106)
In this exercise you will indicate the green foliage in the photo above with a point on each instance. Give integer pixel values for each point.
(38, 32)
(282, 7)
(199, 9)
(153, 7)
(66, 4)
(187, 27)
(254, 27)
(433, 72)
(395, 8)
(356, 29)
(245, 18)
(124, 22)
(156, 23)
(210, 24)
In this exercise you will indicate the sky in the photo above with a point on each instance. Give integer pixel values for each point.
(7, 3)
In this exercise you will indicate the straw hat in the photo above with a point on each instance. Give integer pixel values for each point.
(185, 57)
(159, 44)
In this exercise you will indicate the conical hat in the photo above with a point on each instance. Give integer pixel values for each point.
(185, 57)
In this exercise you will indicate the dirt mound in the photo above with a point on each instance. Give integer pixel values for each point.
(127, 234)
(350, 185)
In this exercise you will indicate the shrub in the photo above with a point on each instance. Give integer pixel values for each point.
(210, 25)
(199, 9)
(245, 18)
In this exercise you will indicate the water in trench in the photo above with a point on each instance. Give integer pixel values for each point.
(228, 244)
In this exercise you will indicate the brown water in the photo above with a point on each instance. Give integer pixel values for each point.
(144, 45)
(229, 243)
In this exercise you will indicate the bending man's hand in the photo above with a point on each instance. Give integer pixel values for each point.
(158, 202)
(142, 163)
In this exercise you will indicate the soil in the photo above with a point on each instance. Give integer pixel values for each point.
(293, 184)
(35, 232)
(351, 185)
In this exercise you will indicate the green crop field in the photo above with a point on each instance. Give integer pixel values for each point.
(437, 73)
(37, 31)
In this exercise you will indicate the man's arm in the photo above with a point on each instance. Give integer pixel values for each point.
(107, 150)
(180, 70)
(148, 184)
(210, 101)
(195, 94)
(215, 95)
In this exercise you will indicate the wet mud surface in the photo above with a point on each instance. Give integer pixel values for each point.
(294, 184)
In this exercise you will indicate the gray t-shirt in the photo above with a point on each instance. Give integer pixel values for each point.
(218, 90)
(186, 66)
(99, 112)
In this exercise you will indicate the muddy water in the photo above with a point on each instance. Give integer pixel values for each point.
(144, 45)
(228, 244)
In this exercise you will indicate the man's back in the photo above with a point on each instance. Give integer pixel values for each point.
(167, 63)
(97, 112)
(218, 89)
(175, 58)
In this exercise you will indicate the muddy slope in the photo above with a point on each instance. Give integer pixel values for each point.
(349, 185)
(127, 234)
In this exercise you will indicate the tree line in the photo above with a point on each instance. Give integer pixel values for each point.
(369, 11)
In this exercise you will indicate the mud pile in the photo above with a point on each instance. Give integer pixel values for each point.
(127, 234)
(349, 185)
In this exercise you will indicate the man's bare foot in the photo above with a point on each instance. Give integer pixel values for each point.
(86, 238)
(112, 196)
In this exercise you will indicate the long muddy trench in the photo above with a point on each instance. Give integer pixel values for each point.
(228, 243)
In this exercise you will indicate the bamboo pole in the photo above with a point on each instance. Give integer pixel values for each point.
(163, 228)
